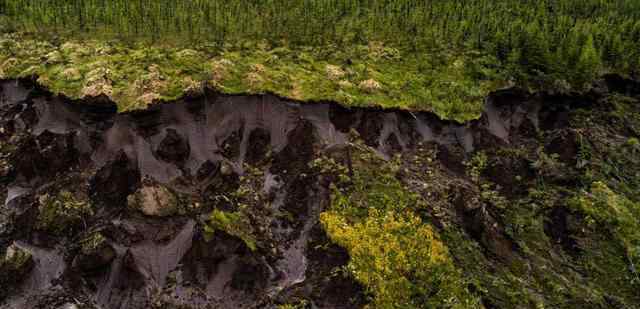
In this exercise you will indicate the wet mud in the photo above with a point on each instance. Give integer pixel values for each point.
(199, 149)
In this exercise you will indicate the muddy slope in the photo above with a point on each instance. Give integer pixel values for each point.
(113, 210)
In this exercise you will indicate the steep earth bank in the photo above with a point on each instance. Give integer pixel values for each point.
(214, 201)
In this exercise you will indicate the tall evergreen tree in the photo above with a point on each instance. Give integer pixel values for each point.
(589, 62)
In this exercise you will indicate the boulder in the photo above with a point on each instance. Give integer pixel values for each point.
(154, 200)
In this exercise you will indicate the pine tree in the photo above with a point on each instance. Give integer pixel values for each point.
(613, 53)
(514, 64)
(535, 49)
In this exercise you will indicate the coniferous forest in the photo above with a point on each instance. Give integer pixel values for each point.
(312, 154)
(549, 36)
(469, 48)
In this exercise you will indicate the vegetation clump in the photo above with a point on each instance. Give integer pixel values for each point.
(232, 223)
(618, 215)
(92, 243)
(394, 253)
(240, 207)
(400, 260)
(302, 304)
(15, 265)
(94, 252)
(15, 259)
(59, 213)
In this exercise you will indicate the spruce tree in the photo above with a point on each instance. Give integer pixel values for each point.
(589, 62)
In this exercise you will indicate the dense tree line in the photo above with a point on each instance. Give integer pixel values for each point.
(537, 36)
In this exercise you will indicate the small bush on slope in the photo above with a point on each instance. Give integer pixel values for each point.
(396, 255)
(400, 260)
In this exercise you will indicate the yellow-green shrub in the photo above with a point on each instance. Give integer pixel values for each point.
(400, 260)
(396, 255)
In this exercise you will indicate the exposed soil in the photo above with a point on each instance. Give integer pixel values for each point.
(201, 151)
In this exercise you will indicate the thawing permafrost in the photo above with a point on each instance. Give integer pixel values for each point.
(204, 132)
(223, 116)
(208, 125)
(152, 261)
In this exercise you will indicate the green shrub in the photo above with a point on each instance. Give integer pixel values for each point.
(400, 260)
(395, 254)
(615, 213)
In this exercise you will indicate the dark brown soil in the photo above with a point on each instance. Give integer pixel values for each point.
(253, 157)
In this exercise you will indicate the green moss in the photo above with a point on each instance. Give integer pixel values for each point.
(60, 213)
(137, 75)
(232, 223)
(299, 305)
(90, 244)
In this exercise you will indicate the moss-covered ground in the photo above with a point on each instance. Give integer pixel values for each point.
(452, 84)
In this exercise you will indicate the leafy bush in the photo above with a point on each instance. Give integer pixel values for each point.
(399, 259)
(396, 255)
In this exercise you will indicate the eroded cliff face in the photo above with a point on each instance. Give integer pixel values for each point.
(214, 201)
